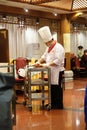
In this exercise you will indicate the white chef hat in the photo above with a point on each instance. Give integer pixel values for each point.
(45, 34)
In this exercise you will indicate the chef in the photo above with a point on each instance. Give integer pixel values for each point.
(53, 57)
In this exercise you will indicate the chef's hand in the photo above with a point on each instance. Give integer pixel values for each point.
(37, 64)
(45, 64)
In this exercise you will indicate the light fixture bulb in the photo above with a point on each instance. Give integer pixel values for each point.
(26, 10)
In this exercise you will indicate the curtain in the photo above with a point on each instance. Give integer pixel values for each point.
(78, 38)
(20, 40)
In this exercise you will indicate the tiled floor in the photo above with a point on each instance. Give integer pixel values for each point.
(70, 118)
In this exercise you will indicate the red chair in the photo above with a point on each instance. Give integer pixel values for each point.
(20, 63)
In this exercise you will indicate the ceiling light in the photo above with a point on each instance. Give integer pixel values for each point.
(4, 17)
(26, 10)
(37, 21)
(79, 13)
(55, 14)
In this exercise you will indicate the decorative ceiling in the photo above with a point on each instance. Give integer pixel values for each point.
(61, 5)
(51, 6)
(57, 4)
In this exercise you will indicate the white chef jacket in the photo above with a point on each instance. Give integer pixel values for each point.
(56, 55)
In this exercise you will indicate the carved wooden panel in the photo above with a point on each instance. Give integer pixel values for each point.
(4, 46)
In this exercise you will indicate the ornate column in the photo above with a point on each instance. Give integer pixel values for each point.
(65, 38)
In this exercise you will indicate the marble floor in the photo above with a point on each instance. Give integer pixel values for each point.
(70, 118)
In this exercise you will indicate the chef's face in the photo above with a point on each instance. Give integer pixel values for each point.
(85, 53)
(49, 43)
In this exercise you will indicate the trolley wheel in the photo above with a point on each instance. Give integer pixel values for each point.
(24, 103)
(86, 127)
(30, 108)
(48, 108)
(42, 107)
